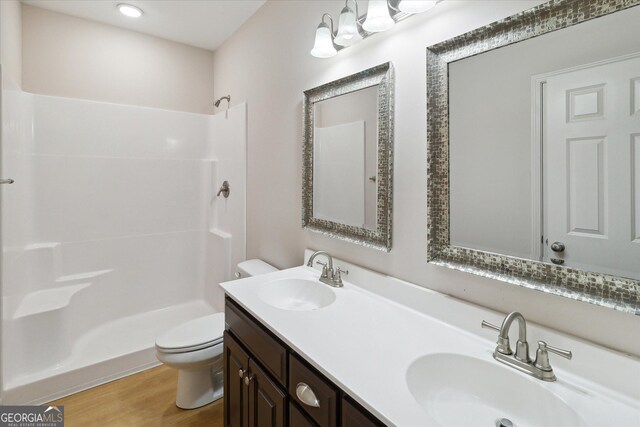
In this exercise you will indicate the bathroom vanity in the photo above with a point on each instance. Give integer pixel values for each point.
(381, 351)
(267, 383)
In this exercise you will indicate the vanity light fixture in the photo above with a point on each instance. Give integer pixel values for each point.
(323, 47)
(348, 32)
(378, 17)
(129, 10)
(352, 28)
(416, 6)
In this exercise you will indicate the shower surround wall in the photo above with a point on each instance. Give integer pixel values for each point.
(227, 215)
(107, 235)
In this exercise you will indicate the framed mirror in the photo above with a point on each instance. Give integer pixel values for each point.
(347, 166)
(533, 127)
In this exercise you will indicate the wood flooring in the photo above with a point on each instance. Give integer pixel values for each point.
(143, 399)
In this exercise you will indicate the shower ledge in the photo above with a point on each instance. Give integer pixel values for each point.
(82, 276)
(47, 300)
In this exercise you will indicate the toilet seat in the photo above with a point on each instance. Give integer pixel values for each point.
(193, 335)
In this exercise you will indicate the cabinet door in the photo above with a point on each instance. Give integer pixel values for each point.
(236, 394)
(267, 403)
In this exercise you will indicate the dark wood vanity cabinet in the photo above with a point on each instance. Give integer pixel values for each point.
(251, 398)
(265, 382)
(324, 413)
(354, 416)
(236, 394)
(267, 402)
(297, 418)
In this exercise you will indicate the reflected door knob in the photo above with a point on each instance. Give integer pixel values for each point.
(557, 247)
(224, 189)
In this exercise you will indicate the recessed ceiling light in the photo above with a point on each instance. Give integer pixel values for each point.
(130, 11)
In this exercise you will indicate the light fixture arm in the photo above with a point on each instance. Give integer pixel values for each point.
(346, 4)
(393, 7)
(331, 21)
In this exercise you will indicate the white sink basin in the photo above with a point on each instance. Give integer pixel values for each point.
(466, 391)
(296, 294)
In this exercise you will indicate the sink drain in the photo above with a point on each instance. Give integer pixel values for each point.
(504, 422)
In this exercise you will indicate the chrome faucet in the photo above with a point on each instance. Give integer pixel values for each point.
(329, 276)
(540, 368)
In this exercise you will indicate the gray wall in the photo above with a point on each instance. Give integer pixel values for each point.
(73, 57)
(11, 41)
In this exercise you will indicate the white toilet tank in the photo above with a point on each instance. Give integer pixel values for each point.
(253, 267)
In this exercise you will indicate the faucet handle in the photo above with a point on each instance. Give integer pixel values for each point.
(542, 355)
(560, 352)
(503, 345)
(488, 325)
(325, 270)
(337, 275)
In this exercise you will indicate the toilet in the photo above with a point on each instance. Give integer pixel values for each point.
(194, 348)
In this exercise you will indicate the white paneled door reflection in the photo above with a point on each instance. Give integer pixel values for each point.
(339, 173)
(591, 176)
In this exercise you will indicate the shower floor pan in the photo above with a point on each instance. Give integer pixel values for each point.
(108, 352)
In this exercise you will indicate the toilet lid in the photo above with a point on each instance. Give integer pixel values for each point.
(193, 335)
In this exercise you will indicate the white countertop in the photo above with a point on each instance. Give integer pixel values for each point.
(365, 342)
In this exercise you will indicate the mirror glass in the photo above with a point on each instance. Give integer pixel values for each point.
(545, 147)
(345, 160)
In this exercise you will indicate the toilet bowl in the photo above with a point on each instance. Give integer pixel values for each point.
(195, 349)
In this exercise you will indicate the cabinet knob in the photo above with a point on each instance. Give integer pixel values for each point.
(242, 372)
(248, 379)
(306, 395)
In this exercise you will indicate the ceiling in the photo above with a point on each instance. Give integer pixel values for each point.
(202, 23)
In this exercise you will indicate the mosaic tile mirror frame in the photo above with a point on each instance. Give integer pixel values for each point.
(378, 236)
(607, 290)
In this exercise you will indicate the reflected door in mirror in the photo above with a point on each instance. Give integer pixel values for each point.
(591, 141)
(345, 160)
(544, 147)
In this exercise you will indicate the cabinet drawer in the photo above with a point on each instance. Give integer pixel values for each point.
(355, 416)
(296, 418)
(314, 394)
(271, 354)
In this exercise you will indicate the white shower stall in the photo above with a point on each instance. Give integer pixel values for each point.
(112, 233)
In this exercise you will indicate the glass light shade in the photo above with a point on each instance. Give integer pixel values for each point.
(347, 28)
(416, 6)
(323, 47)
(378, 18)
